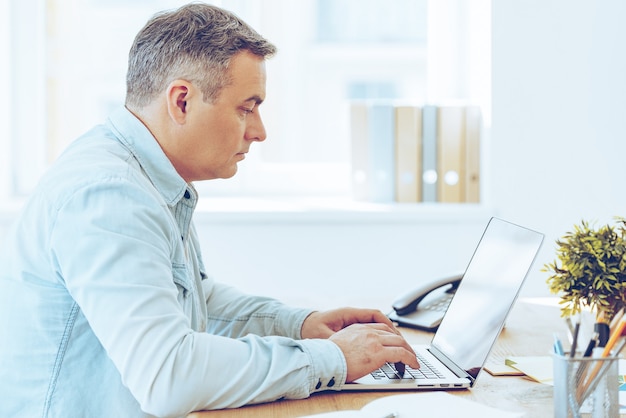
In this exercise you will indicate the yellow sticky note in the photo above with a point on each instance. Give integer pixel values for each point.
(538, 368)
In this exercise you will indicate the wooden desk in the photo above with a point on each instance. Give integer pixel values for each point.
(529, 331)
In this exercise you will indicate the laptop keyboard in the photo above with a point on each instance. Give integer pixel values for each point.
(426, 371)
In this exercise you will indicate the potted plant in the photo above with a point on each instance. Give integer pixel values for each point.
(590, 270)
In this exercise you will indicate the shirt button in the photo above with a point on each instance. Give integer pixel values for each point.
(187, 194)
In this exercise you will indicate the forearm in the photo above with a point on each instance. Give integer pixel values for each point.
(227, 373)
(234, 314)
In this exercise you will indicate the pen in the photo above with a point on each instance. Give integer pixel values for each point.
(558, 348)
(570, 327)
(599, 371)
(582, 370)
(572, 352)
(603, 330)
(620, 330)
(591, 345)
(600, 368)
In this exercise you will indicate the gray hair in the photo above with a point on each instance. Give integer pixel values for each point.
(196, 43)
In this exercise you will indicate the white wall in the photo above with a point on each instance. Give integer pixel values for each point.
(559, 114)
(555, 156)
(344, 259)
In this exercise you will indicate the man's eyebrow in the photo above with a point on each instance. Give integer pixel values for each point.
(256, 99)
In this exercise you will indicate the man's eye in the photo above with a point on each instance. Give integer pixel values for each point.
(247, 110)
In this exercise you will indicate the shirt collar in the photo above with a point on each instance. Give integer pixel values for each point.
(133, 134)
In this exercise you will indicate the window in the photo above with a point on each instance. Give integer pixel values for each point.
(68, 64)
(5, 101)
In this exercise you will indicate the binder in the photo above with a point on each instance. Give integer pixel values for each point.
(451, 154)
(360, 151)
(429, 154)
(381, 138)
(473, 124)
(408, 154)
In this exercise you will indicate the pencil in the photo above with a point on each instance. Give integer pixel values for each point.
(600, 371)
(615, 335)
(616, 320)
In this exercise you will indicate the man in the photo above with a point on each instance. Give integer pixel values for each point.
(106, 306)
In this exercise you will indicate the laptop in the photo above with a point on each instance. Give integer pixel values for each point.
(474, 318)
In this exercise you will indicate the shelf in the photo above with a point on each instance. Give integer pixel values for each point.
(315, 210)
(333, 210)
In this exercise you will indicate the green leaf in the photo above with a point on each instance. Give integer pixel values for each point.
(590, 268)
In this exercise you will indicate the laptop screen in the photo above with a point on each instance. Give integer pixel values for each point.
(486, 294)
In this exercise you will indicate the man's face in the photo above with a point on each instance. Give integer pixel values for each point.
(217, 135)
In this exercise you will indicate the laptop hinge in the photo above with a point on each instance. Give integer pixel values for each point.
(459, 372)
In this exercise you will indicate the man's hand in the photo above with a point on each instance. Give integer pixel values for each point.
(367, 347)
(366, 337)
(324, 324)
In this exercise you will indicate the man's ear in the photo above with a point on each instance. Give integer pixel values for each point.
(178, 93)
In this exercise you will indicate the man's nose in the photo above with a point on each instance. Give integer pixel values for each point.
(256, 130)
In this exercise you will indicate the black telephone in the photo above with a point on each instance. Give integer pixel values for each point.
(424, 307)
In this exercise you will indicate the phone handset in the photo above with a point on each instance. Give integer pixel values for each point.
(406, 308)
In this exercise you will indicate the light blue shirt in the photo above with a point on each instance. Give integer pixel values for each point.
(106, 309)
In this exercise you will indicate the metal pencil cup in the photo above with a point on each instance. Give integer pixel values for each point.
(585, 387)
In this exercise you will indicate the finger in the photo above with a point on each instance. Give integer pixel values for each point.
(356, 316)
(378, 316)
(393, 340)
(364, 316)
(373, 315)
(389, 339)
(400, 355)
(381, 329)
(396, 341)
(384, 335)
(387, 335)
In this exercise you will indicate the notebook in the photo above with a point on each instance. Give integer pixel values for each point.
(475, 317)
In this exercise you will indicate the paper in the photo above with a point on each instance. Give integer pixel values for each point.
(425, 404)
(538, 368)
(499, 368)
